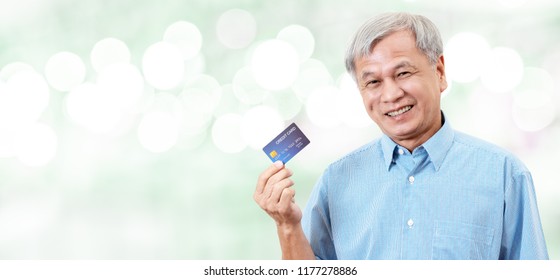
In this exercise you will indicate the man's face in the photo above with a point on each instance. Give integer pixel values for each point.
(401, 89)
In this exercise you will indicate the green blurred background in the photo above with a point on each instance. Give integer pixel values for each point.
(133, 129)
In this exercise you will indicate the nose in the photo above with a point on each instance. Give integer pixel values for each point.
(391, 92)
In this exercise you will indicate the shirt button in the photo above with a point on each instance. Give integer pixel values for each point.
(411, 179)
(410, 223)
(400, 151)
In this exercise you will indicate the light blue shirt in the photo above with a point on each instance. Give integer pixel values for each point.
(454, 197)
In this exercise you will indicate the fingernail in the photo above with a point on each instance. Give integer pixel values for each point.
(278, 164)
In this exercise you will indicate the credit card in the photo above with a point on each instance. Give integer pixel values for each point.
(287, 144)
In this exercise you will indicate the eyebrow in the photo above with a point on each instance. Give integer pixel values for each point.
(402, 64)
(366, 74)
(399, 65)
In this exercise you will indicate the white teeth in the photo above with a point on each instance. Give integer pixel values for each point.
(401, 111)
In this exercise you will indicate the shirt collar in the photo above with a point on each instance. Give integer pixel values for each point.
(388, 146)
(437, 146)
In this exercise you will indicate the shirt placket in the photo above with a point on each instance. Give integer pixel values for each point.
(411, 221)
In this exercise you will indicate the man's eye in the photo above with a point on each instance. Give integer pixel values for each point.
(403, 74)
(372, 83)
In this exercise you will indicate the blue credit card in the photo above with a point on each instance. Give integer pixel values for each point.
(286, 145)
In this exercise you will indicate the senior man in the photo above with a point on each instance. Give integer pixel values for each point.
(422, 190)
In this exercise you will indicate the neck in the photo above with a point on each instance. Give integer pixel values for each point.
(413, 143)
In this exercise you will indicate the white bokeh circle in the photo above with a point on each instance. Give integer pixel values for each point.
(65, 70)
(465, 55)
(301, 38)
(323, 107)
(236, 28)
(186, 36)
(163, 65)
(109, 51)
(275, 64)
(503, 70)
(36, 144)
(260, 124)
(226, 133)
(158, 131)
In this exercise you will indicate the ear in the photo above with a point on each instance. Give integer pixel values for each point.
(440, 70)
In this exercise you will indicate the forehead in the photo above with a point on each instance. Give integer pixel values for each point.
(396, 49)
(400, 42)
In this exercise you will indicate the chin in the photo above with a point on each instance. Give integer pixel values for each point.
(400, 132)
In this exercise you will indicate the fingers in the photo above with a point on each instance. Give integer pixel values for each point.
(271, 184)
(274, 187)
(283, 207)
(286, 199)
(273, 175)
(265, 176)
(275, 195)
(277, 190)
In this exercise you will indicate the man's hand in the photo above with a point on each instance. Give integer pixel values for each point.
(276, 197)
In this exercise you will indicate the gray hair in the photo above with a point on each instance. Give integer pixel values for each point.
(428, 39)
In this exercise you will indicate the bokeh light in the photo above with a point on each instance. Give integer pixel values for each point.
(313, 74)
(226, 133)
(195, 66)
(196, 119)
(25, 97)
(285, 102)
(158, 131)
(210, 86)
(186, 37)
(79, 101)
(246, 88)
(35, 144)
(109, 51)
(228, 102)
(301, 38)
(536, 88)
(12, 68)
(260, 124)
(163, 65)
(534, 106)
(200, 98)
(93, 109)
(465, 52)
(65, 70)
(485, 112)
(275, 64)
(503, 70)
(123, 84)
(236, 28)
(167, 102)
(323, 107)
(533, 119)
(351, 105)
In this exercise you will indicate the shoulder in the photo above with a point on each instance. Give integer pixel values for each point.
(484, 150)
(366, 153)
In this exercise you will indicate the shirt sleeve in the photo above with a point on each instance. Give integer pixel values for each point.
(316, 221)
(522, 237)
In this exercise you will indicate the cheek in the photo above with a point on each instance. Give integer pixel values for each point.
(370, 102)
(372, 110)
(411, 86)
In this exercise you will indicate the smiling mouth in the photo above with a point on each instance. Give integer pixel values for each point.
(400, 111)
